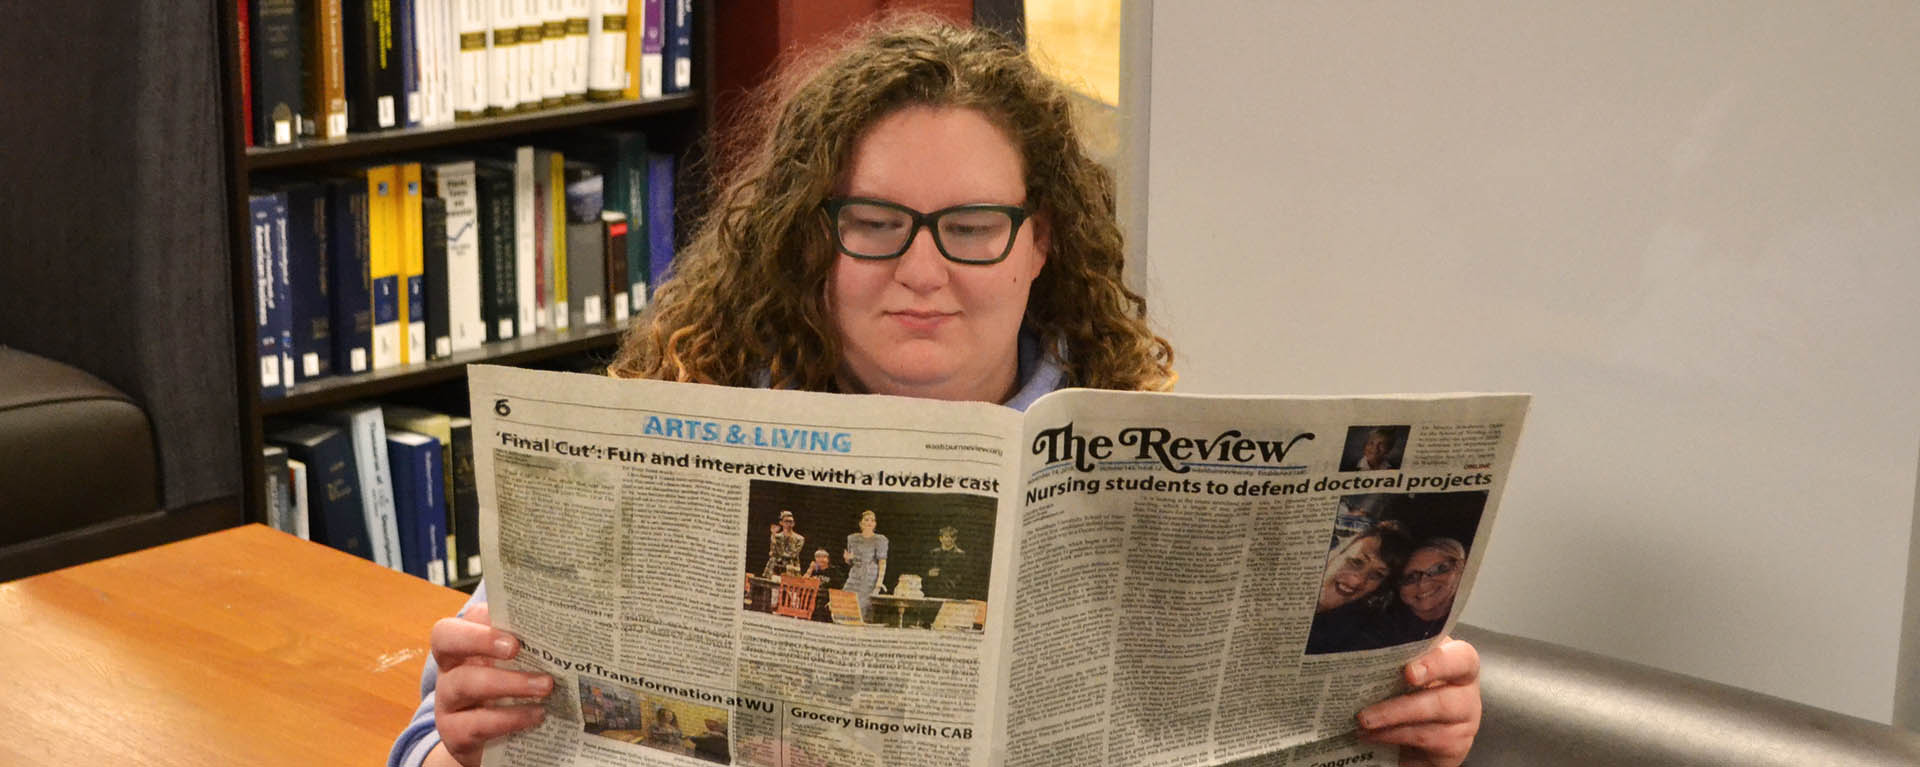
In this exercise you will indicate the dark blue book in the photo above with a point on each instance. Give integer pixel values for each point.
(679, 47)
(275, 39)
(334, 513)
(349, 276)
(407, 49)
(307, 281)
(268, 214)
(659, 219)
(419, 503)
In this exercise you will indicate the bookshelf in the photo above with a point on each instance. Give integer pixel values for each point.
(677, 123)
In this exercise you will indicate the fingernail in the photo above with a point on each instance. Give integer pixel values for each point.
(1368, 720)
(503, 647)
(1417, 673)
(540, 684)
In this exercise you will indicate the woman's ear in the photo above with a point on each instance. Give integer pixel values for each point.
(1042, 243)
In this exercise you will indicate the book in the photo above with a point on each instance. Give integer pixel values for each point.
(614, 238)
(309, 310)
(350, 301)
(606, 42)
(498, 291)
(556, 53)
(528, 291)
(419, 504)
(579, 43)
(455, 182)
(678, 50)
(586, 247)
(503, 56)
(275, 41)
(325, 86)
(413, 284)
(622, 155)
(659, 218)
(335, 509)
(375, 90)
(297, 471)
(245, 38)
(630, 51)
(366, 432)
(533, 62)
(470, 66)
(550, 194)
(279, 489)
(653, 46)
(384, 257)
(463, 502)
(439, 426)
(268, 211)
(433, 269)
(407, 51)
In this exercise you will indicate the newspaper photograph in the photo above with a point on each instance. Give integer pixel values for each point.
(783, 579)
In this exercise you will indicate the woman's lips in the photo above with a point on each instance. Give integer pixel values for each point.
(921, 321)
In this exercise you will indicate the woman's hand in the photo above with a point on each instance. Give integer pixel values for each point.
(1434, 725)
(466, 703)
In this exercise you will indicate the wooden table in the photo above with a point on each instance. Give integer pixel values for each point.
(247, 646)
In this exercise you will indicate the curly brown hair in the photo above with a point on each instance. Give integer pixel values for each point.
(746, 302)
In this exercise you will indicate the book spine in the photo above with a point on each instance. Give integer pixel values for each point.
(433, 228)
(370, 440)
(383, 237)
(436, 530)
(470, 23)
(307, 278)
(579, 14)
(498, 292)
(276, 70)
(336, 515)
(426, 46)
(526, 260)
(631, 168)
(246, 67)
(413, 283)
(559, 51)
(464, 506)
(614, 238)
(279, 489)
(653, 47)
(297, 472)
(630, 49)
(679, 47)
(503, 56)
(413, 458)
(375, 92)
(448, 37)
(584, 246)
(350, 300)
(406, 54)
(326, 75)
(532, 71)
(606, 69)
(659, 218)
(264, 209)
(454, 183)
(555, 235)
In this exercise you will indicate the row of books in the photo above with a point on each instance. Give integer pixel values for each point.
(394, 485)
(410, 262)
(324, 68)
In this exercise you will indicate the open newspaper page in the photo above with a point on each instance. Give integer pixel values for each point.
(1205, 580)
(767, 578)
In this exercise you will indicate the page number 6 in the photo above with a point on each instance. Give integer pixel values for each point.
(500, 408)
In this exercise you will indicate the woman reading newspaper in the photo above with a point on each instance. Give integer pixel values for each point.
(917, 218)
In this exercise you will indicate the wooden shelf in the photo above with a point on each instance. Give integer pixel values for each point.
(369, 145)
(338, 389)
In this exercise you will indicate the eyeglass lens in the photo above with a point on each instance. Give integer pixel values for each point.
(876, 231)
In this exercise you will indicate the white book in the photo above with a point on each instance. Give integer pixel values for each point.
(455, 183)
(559, 49)
(503, 55)
(368, 430)
(524, 248)
(533, 62)
(470, 23)
(449, 57)
(300, 526)
(420, 101)
(607, 49)
(579, 13)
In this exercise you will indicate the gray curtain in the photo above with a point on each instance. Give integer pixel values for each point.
(113, 240)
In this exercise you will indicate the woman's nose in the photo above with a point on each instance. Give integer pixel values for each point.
(922, 268)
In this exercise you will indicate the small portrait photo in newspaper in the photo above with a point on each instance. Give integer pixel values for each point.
(1374, 448)
(868, 558)
(620, 713)
(1393, 568)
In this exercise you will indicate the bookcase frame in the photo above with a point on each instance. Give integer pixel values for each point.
(678, 123)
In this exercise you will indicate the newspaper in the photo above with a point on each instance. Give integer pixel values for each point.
(784, 579)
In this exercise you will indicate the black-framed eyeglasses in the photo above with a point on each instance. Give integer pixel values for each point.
(1412, 577)
(877, 230)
